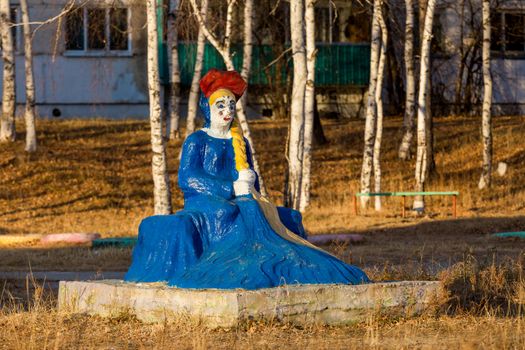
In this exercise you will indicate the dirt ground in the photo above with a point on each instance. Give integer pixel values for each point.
(420, 249)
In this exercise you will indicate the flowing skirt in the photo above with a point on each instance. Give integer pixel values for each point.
(221, 244)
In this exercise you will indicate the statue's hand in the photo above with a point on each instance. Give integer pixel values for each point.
(244, 183)
(247, 175)
(241, 188)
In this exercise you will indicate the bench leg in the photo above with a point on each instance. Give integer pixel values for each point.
(454, 212)
(355, 205)
(404, 206)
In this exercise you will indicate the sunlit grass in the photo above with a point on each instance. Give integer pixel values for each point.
(94, 175)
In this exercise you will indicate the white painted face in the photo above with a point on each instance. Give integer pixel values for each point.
(222, 112)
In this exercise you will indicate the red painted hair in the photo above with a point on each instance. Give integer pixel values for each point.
(216, 79)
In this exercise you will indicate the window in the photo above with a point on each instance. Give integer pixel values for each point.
(327, 29)
(97, 30)
(357, 27)
(508, 32)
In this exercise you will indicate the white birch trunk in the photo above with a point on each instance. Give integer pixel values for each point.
(7, 119)
(31, 142)
(486, 130)
(309, 104)
(224, 50)
(422, 112)
(296, 133)
(379, 106)
(370, 121)
(245, 73)
(193, 100)
(408, 121)
(161, 183)
(174, 102)
(248, 47)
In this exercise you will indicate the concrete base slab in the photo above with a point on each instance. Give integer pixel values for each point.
(299, 304)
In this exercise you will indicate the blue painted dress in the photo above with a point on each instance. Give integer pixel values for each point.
(225, 242)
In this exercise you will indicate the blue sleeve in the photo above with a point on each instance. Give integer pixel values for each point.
(250, 162)
(192, 177)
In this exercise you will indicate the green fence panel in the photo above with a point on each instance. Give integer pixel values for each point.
(342, 64)
(336, 65)
(407, 194)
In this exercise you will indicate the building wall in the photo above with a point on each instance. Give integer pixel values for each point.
(91, 84)
(508, 70)
(115, 85)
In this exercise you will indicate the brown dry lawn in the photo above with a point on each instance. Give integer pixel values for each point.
(64, 331)
(94, 176)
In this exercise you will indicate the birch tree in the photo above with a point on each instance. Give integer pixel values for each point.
(161, 183)
(174, 97)
(429, 155)
(379, 107)
(309, 103)
(31, 142)
(409, 118)
(370, 121)
(486, 129)
(422, 111)
(7, 119)
(296, 131)
(248, 47)
(193, 99)
(223, 47)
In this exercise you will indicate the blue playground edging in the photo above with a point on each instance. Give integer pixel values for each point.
(120, 242)
(509, 234)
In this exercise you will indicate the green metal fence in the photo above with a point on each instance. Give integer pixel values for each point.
(337, 64)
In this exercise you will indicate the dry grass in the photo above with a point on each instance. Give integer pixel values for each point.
(42, 326)
(94, 176)
(484, 310)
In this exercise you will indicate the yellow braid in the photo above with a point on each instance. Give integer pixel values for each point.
(269, 209)
(239, 147)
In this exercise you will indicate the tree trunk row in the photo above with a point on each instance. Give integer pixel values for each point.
(370, 119)
(193, 100)
(30, 82)
(159, 166)
(174, 90)
(379, 108)
(309, 105)
(297, 107)
(486, 129)
(410, 99)
(423, 107)
(7, 118)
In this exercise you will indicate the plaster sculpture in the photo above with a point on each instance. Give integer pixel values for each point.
(228, 236)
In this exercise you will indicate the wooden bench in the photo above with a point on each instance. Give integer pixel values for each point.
(454, 195)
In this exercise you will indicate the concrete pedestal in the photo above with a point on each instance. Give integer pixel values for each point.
(299, 304)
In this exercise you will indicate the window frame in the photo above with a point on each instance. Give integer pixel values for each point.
(332, 14)
(86, 52)
(503, 52)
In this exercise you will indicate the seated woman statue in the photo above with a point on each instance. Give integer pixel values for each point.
(228, 236)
